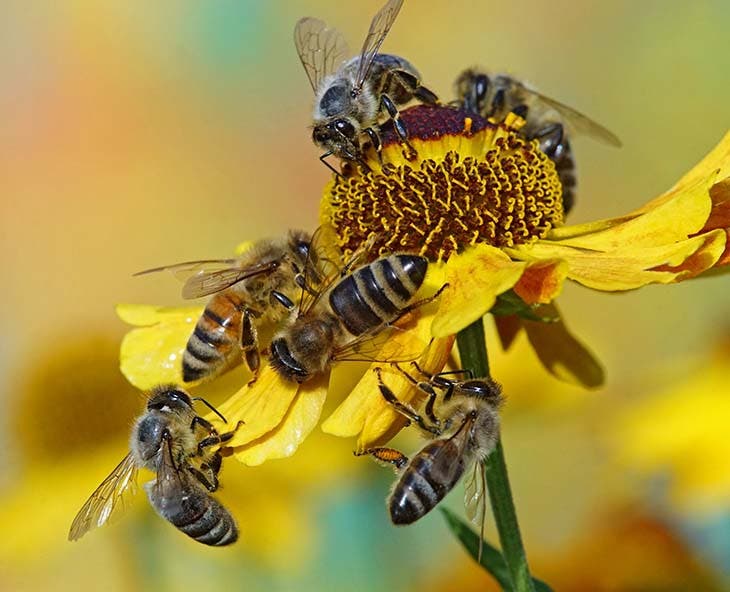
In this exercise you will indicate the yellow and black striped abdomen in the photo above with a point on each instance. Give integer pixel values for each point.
(216, 337)
(378, 292)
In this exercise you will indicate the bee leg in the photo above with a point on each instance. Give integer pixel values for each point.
(413, 86)
(497, 103)
(386, 455)
(398, 125)
(403, 408)
(476, 97)
(414, 305)
(216, 438)
(277, 297)
(323, 160)
(427, 388)
(520, 110)
(551, 142)
(210, 481)
(249, 342)
(375, 140)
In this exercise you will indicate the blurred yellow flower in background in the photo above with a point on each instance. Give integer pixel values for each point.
(681, 434)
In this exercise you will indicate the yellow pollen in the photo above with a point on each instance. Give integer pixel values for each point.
(473, 181)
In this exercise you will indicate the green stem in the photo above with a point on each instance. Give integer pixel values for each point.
(473, 351)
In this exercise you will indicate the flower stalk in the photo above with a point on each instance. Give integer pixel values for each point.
(473, 351)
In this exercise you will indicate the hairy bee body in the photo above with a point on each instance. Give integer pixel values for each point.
(463, 428)
(226, 332)
(358, 305)
(351, 95)
(547, 120)
(175, 443)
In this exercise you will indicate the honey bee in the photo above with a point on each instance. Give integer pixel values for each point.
(346, 312)
(175, 443)
(548, 121)
(351, 95)
(463, 436)
(246, 291)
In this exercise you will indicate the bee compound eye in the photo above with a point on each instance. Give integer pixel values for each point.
(320, 135)
(345, 128)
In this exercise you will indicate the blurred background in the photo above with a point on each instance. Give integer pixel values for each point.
(137, 134)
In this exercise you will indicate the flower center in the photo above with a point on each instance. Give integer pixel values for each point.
(465, 181)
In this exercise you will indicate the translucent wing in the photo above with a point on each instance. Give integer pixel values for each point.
(112, 495)
(321, 49)
(206, 277)
(578, 122)
(474, 494)
(385, 343)
(323, 268)
(379, 27)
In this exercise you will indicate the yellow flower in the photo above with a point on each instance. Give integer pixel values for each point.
(682, 433)
(484, 205)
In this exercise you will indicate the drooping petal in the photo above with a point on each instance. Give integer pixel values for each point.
(152, 353)
(681, 215)
(299, 420)
(475, 277)
(261, 405)
(564, 356)
(628, 268)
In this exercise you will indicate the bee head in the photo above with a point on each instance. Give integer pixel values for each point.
(333, 133)
(169, 398)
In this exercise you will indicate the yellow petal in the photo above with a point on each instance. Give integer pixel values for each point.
(299, 421)
(364, 411)
(152, 354)
(668, 221)
(475, 277)
(720, 215)
(560, 352)
(628, 268)
(261, 406)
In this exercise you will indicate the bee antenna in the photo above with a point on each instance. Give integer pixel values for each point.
(209, 406)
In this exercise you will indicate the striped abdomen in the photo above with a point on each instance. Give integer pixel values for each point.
(429, 476)
(216, 337)
(377, 293)
(197, 514)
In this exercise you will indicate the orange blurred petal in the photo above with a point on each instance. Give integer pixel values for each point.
(542, 281)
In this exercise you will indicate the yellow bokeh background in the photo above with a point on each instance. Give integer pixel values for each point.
(138, 134)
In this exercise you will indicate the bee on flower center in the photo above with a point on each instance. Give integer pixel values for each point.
(171, 440)
(350, 96)
(548, 121)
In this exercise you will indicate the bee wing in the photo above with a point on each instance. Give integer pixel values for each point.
(321, 49)
(113, 493)
(474, 494)
(382, 344)
(379, 27)
(208, 276)
(578, 122)
(322, 268)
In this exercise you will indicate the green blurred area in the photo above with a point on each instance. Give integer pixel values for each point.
(141, 134)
